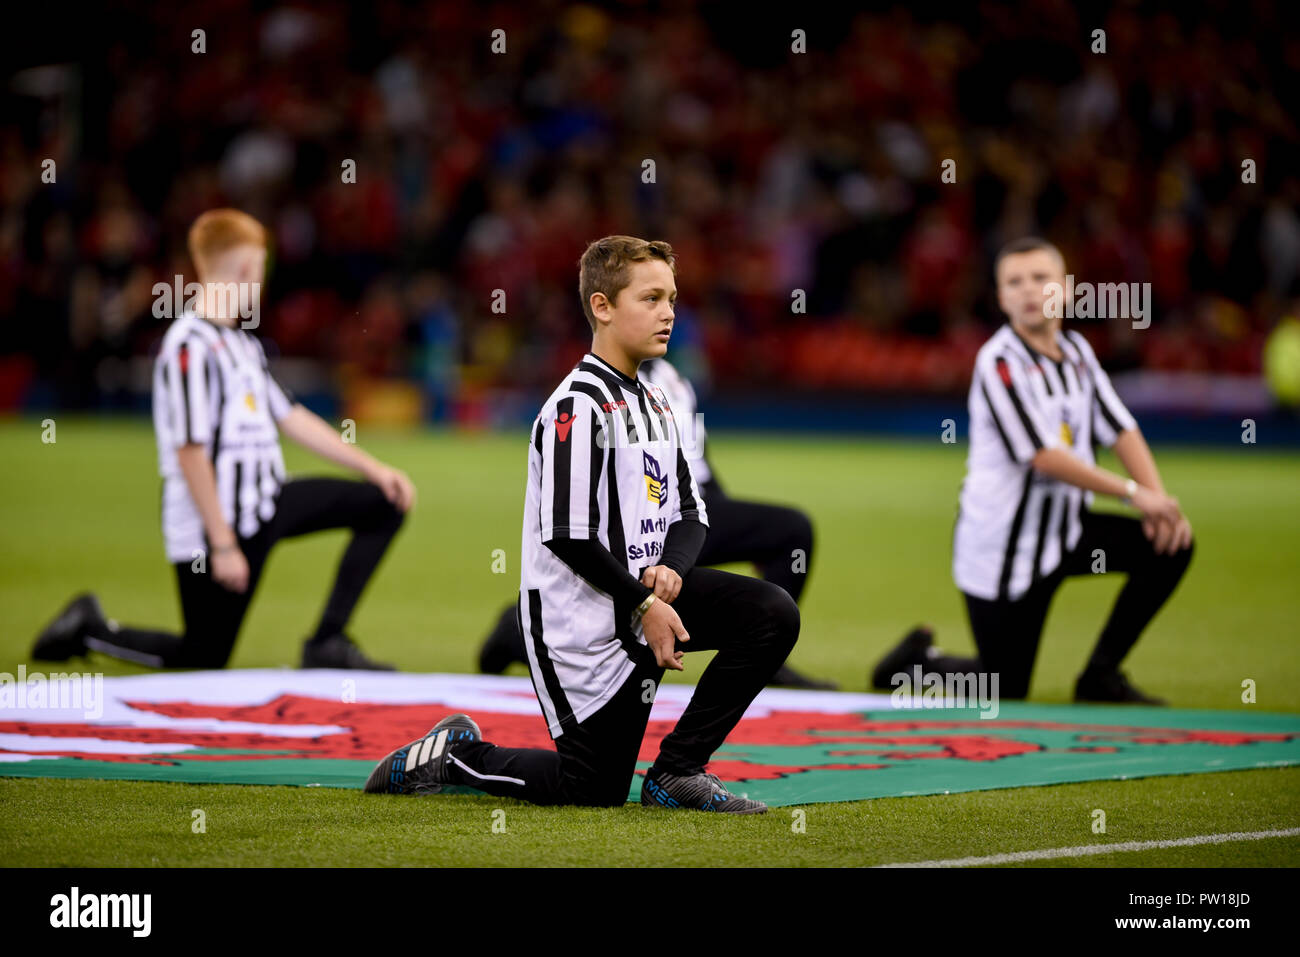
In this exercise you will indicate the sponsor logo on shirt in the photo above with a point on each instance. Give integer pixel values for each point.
(656, 483)
(1067, 430)
(650, 549)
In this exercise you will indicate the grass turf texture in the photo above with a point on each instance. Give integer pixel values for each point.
(82, 513)
(143, 824)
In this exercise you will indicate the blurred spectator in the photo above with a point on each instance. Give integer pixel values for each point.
(480, 174)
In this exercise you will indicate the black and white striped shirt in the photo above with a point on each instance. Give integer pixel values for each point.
(690, 425)
(1015, 525)
(604, 463)
(212, 386)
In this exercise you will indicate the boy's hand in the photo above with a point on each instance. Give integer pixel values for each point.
(666, 582)
(663, 628)
(395, 484)
(230, 568)
(1168, 537)
(1156, 507)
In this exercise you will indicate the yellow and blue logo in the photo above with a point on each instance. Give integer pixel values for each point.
(656, 483)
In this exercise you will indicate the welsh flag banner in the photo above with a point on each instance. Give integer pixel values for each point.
(328, 728)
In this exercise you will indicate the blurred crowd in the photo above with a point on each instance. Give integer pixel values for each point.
(774, 171)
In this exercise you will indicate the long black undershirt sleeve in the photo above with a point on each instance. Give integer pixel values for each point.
(595, 563)
(598, 566)
(682, 545)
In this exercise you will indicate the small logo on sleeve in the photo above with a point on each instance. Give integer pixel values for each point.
(1004, 371)
(563, 423)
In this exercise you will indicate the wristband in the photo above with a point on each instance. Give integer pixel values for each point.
(644, 607)
(1130, 489)
(224, 548)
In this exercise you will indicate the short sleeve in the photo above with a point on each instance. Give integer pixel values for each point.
(572, 447)
(687, 503)
(279, 398)
(1110, 417)
(1001, 382)
(186, 375)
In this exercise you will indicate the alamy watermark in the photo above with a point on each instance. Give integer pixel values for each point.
(130, 911)
(931, 689)
(242, 300)
(1107, 300)
(631, 430)
(54, 692)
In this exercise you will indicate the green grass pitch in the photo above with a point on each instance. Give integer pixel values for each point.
(82, 513)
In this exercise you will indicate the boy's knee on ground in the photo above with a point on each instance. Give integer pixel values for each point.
(1012, 687)
(1013, 683)
(587, 791)
(206, 658)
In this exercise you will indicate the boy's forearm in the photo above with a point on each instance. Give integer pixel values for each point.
(595, 564)
(1135, 455)
(316, 435)
(202, 483)
(1065, 467)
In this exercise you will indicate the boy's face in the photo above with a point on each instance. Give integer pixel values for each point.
(640, 321)
(1021, 278)
(244, 265)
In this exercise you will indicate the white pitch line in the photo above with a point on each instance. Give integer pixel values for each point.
(1086, 850)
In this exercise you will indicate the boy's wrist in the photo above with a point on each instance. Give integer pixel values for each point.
(222, 541)
(1130, 490)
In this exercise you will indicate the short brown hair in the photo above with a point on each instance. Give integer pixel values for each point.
(604, 267)
(218, 230)
(1025, 244)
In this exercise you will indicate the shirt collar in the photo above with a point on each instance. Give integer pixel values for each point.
(1034, 353)
(191, 314)
(622, 376)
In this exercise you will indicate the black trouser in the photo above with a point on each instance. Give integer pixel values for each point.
(750, 623)
(777, 539)
(1007, 632)
(213, 614)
